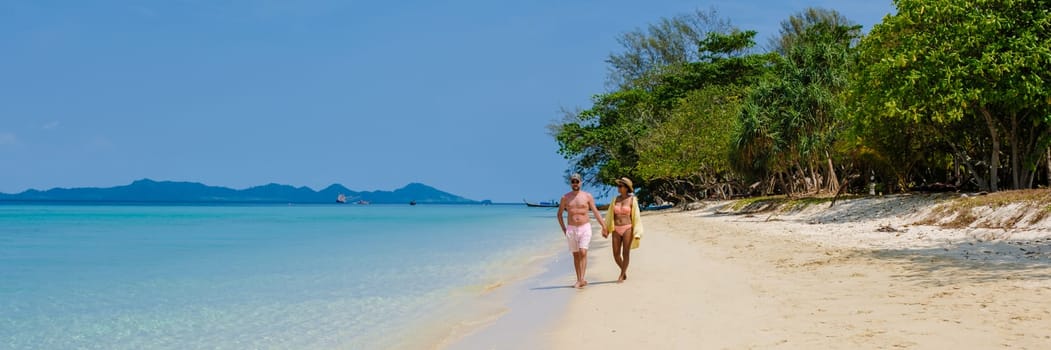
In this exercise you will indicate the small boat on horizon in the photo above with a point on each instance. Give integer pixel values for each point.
(341, 198)
(412, 202)
(363, 202)
(547, 204)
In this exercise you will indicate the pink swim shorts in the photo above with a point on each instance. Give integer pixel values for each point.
(578, 237)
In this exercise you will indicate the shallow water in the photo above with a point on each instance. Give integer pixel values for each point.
(323, 276)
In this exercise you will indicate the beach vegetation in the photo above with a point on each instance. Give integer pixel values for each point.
(740, 204)
(793, 119)
(943, 95)
(973, 76)
(1004, 209)
(760, 205)
(804, 202)
(669, 127)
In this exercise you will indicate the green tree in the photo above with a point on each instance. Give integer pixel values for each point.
(602, 141)
(791, 121)
(795, 27)
(631, 131)
(689, 150)
(982, 65)
(669, 42)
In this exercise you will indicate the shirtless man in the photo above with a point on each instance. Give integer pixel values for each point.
(577, 203)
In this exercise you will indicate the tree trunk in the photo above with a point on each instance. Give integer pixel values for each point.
(846, 182)
(956, 171)
(1026, 178)
(1032, 155)
(833, 180)
(963, 159)
(801, 172)
(983, 185)
(816, 179)
(994, 159)
(785, 186)
(1048, 167)
(1016, 170)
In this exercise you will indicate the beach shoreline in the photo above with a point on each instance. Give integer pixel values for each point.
(478, 314)
(529, 306)
(807, 279)
(525, 308)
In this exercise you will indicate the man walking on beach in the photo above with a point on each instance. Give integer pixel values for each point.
(577, 203)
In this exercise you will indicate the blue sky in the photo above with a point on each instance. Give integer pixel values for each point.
(369, 94)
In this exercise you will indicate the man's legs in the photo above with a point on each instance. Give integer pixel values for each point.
(579, 238)
(576, 266)
(583, 268)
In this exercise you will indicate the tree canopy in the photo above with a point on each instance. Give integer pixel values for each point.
(981, 66)
(949, 92)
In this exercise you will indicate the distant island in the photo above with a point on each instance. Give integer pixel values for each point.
(147, 190)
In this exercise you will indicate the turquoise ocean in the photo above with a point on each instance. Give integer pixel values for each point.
(250, 276)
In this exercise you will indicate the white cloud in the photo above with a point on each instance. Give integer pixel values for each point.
(51, 125)
(7, 138)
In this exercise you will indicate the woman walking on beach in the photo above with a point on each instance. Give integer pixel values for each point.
(624, 223)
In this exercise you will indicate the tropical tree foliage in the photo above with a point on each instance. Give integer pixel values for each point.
(974, 72)
(630, 131)
(669, 42)
(792, 120)
(943, 91)
(685, 157)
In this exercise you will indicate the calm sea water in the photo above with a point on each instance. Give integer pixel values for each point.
(236, 277)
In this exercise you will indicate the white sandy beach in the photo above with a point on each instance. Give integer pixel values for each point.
(812, 280)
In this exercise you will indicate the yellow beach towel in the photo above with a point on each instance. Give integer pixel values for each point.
(636, 220)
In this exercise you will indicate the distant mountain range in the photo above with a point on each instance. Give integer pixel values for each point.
(147, 190)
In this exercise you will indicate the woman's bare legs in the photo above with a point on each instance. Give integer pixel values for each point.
(625, 254)
(622, 253)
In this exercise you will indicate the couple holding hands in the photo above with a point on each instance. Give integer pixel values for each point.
(622, 222)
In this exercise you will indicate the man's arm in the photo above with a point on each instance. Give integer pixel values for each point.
(598, 216)
(561, 208)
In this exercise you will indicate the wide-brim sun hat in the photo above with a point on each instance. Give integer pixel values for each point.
(626, 182)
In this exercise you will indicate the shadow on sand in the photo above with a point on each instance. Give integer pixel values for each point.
(571, 286)
(598, 244)
(974, 261)
(845, 210)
